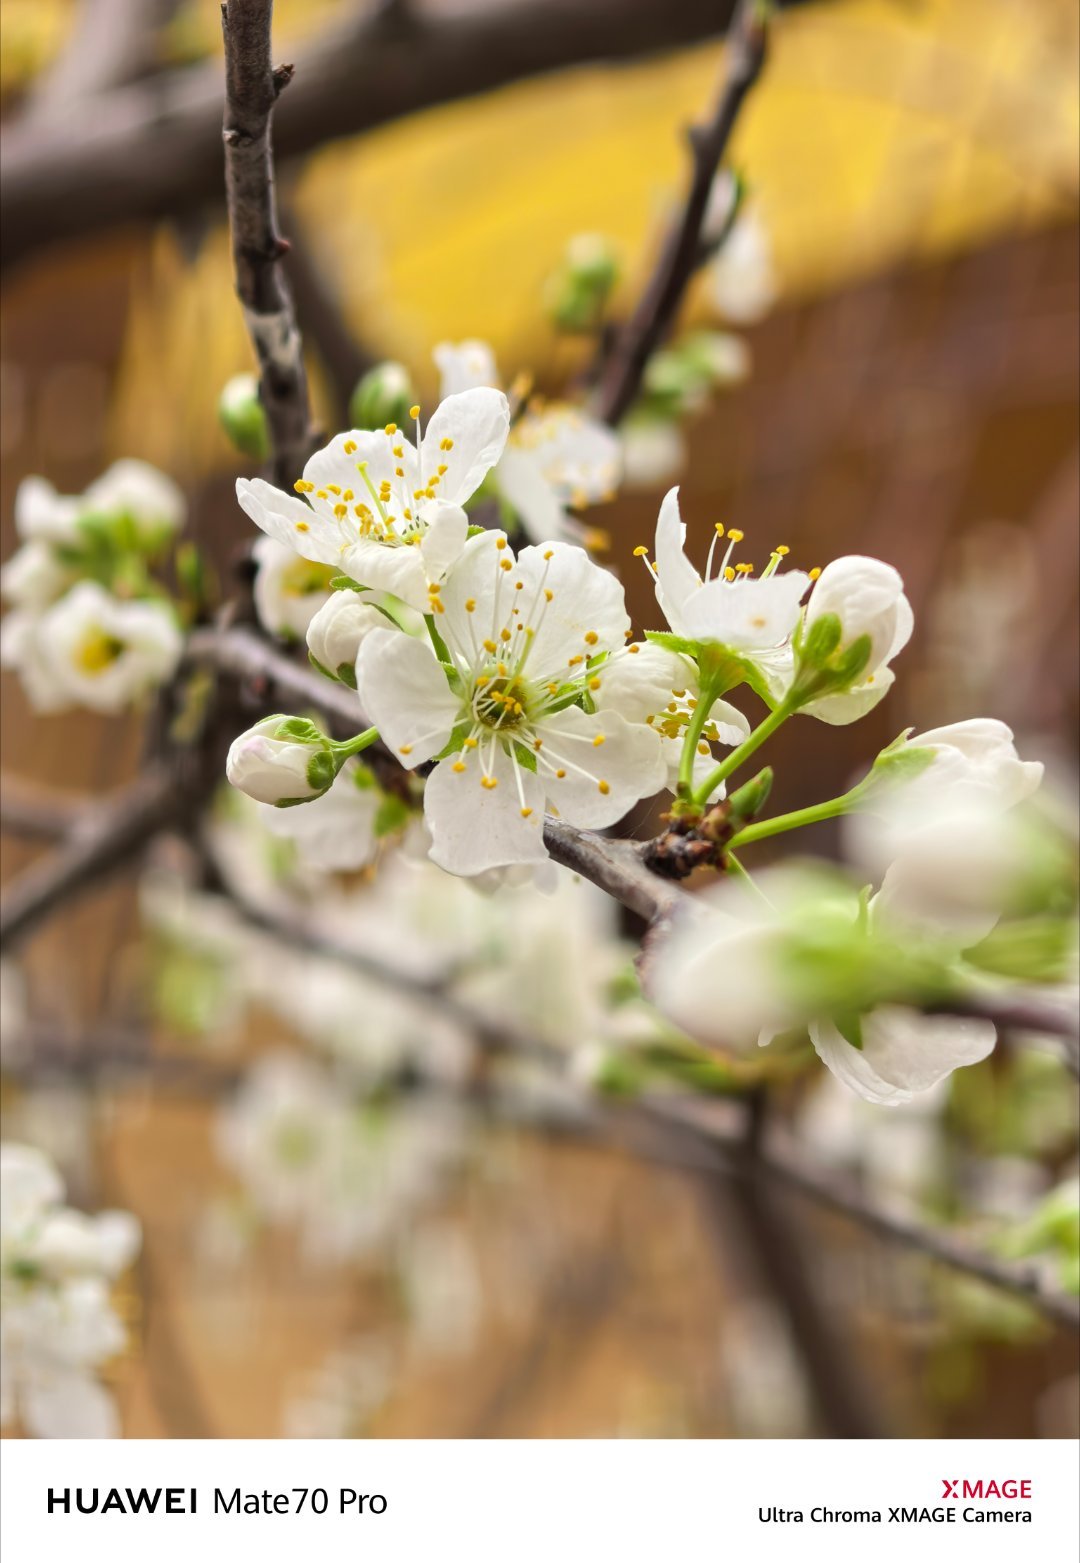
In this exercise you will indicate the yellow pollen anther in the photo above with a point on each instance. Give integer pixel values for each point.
(391, 428)
(506, 564)
(442, 469)
(489, 645)
(559, 775)
(302, 486)
(470, 606)
(490, 782)
(729, 574)
(349, 447)
(471, 743)
(341, 511)
(815, 572)
(573, 662)
(735, 536)
(458, 765)
(591, 638)
(525, 813)
(632, 651)
(703, 748)
(500, 542)
(549, 595)
(782, 549)
(302, 526)
(446, 444)
(641, 552)
(550, 554)
(405, 749)
(414, 410)
(719, 529)
(594, 683)
(602, 786)
(598, 740)
(504, 635)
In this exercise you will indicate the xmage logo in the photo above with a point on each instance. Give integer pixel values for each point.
(1011, 1487)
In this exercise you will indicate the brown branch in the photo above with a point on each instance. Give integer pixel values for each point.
(682, 253)
(37, 813)
(109, 839)
(252, 86)
(150, 151)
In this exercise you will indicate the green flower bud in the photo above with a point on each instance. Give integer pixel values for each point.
(241, 415)
(579, 290)
(383, 395)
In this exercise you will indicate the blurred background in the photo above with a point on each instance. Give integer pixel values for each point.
(912, 394)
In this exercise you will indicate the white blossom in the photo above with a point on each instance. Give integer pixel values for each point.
(57, 1325)
(383, 511)
(34, 577)
(728, 606)
(521, 634)
(92, 649)
(557, 459)
(653, 451)
(131, 491)
(289, 590)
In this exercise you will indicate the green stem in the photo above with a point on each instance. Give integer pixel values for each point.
(736, 869)
(708, 694)
(748, 746)
(798, 818)
(362, 740)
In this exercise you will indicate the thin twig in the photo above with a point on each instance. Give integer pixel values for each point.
(633, 346)
(108, 841)
(150, 151)
(252, 86)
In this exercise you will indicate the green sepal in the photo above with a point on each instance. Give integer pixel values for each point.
(301, 730)
(344, 583)
(322, 768)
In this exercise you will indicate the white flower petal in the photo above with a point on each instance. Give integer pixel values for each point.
(290, 521)
(445, 538)
(585, 601)
(676, 578)
(476, 828)
(903, 1053)
(603, 780)
(385, 568)
(476, 424)
(524, 486)
(405, 693)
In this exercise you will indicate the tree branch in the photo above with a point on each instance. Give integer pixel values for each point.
(106, 841)
(252, 86)
(632, 347)
(150, 151)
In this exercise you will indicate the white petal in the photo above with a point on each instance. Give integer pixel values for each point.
(523, 484)
(585, 600)
(476, 828)
(290, 521)
(602, 782)
(640, 683)
(851, 704)
(477, 422)
(747, 614)
(903, 1053)
(404, 692)
(446, 536)
(676, 577)
(388, 567)
(464, 365)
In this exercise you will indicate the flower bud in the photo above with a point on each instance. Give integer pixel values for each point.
(337, 630)
(241, 415)
(579, 290)
(867, 596)
(383, 395)
(282, 760)
(856, 621)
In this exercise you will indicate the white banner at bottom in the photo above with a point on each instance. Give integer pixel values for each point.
(539, 1502)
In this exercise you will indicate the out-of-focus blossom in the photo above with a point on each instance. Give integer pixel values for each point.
(288, 590)
(57, 1325)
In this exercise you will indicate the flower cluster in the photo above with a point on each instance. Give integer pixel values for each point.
(87, 624)
(57, 1324)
